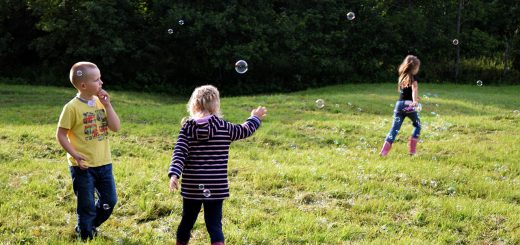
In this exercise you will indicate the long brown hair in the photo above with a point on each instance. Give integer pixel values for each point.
(407, 70)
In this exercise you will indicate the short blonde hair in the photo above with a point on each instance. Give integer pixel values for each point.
(204, 98)
(79, 72)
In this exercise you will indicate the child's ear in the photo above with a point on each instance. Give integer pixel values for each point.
(82, 85)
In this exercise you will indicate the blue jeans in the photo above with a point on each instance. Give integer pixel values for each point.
(399, 115)
(212, 217)
(92, 213)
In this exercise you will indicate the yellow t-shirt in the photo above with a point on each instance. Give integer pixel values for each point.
(88, 131)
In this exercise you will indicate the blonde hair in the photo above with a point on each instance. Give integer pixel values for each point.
(204, 98)
(79, 72)
(407, 70)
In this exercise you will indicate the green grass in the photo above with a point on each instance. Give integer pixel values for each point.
(308, 176)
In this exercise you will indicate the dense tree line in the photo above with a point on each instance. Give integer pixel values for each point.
(289, 45)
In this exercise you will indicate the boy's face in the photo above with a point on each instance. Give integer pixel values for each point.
(92, 83)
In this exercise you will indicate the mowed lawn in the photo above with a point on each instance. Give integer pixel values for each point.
(308, 176)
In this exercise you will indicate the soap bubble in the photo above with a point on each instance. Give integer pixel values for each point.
(320, 103)
(201, 186)
(479, 83)
(451, 190)
(418, 108)
(206, 193)
(170, 31)
(181, 22)
(241, 66)
(79, 73)
(106, 206)
(351, 16)
(455, 42)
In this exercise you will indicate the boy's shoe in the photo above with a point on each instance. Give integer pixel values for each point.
(95, 231)
(386, 148)
(412, 145)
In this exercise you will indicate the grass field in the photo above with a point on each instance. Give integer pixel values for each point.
(308, 176)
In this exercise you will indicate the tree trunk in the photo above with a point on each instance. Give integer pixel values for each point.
(457, 62)
(506, 57)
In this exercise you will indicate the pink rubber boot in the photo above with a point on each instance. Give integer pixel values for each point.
(386, 148)
(412, 145)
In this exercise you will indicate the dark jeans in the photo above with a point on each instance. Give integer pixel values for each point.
(399, 115)
(212, 217)
(92, 213)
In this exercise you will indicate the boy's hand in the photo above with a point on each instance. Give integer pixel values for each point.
(174, 184)
(259, 112)
(80, 161)
(104, 97)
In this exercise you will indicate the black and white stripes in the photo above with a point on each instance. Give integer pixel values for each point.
(201, 156)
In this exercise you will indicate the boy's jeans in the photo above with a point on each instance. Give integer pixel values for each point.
(399, 115)
(93, 213)
(212, 217)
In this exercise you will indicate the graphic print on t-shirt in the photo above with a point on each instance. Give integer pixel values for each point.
(95, 125)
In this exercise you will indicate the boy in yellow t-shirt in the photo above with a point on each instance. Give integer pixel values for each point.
(83, 133)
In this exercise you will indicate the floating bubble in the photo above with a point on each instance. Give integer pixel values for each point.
(106, 206)
(320, 103)
(79, 73)
(337, 105)
(451, 190)
(433, 113)
(241, 66)
(351, 16)
(201, 186)
(170, 31)
(181, 22)
(433, 183)
(418, 107)
(349, 104)
(294, 146)
(397, 119)
(479, 83)
(516, 112)
(455, 42)
(391, 105)
(359, 109)
(206, 193)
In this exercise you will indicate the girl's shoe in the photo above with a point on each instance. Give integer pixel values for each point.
(412, 145)
(386, 148)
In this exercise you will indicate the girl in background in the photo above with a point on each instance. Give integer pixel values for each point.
(406, 106)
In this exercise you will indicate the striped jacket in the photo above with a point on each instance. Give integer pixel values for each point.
(201, 156)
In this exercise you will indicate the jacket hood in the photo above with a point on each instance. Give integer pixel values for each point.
(201, 130)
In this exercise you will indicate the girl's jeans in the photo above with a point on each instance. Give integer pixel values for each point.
(93, 213)
(212, 217)
(400, 113)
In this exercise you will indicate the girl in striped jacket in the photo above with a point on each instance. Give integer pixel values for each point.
(200, 156)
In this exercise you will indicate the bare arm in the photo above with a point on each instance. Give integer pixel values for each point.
(61, 136)
(114, 123)
(415, 93)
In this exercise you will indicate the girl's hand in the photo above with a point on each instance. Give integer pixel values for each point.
(174, 184)
(414, 104)
(259, 112)
(104, 97)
